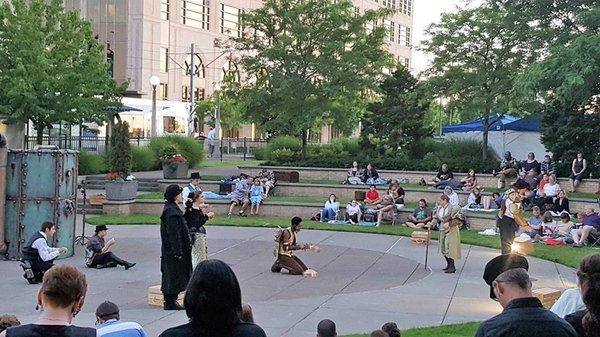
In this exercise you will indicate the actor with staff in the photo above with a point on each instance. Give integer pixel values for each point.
(447, 218)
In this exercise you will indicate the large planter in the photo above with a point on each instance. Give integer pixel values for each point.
(175, 170)
(121, 190)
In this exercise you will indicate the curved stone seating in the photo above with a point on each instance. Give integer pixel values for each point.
(339, 174)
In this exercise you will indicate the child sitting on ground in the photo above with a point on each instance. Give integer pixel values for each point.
(563, 228)
(256, 196)
(548, 225)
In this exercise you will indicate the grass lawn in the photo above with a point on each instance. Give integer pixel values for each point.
(229, 163)
(564, 255)
(454, 330)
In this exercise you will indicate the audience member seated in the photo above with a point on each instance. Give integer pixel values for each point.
(108, 323)
(241, 195)
(561, 204)
(532, 179)
(470, 181)
(442, 178)
(331, 209)
(547, 194)
(247, 315)
(586, 321)
(6, 321)
(267, 180)
(535, 223)
(326, 328)
(542, 182)
(213, 304)
(257, 194)
(421, 216)
(578, 170)
(590, 225)
(354, 176)
(548, 225)
(379, 333)
(523, 314)
(508, 169)
(530, 164)
(570, 301)
(454, 201)
(497, 200)
(547, 167)
(475, 199)
(563, 228)
(353, 212)
(391, 329)
(370, 176)
(372, 196)
(396, 195)
(61, 296)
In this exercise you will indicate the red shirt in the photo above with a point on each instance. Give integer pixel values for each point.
(372, 195)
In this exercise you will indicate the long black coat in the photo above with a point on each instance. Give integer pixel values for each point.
(176, 250)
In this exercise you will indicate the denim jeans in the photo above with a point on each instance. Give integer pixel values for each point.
(327, 214)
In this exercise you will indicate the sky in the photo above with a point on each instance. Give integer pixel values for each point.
(427, 12)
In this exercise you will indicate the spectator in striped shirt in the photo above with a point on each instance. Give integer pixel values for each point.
(109, 325)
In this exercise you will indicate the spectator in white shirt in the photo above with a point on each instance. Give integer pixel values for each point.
(548, 193)
(353, 212)
(452, 196)
(38, 257)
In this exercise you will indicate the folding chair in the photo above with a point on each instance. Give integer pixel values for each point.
(594, 240)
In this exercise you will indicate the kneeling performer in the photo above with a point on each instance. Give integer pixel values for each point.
(99, 254)
(286, 244)
(38, 257)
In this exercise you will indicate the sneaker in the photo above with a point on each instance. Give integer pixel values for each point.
(229, 215)
(242, 214)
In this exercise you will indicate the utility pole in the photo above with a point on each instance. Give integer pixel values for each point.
(191, 123)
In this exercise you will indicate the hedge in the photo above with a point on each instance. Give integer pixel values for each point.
(190, 148)
(92, 163)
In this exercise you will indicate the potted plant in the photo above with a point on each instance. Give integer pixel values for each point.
(175, 166)
(121, 185)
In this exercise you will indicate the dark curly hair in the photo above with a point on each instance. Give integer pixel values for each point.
(589, 282)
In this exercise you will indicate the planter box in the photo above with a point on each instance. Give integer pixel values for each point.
(175, 171)
(121, 190)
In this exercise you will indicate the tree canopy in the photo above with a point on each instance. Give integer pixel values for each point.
(310, 63)
(52, 69)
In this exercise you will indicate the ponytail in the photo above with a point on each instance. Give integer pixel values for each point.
(589, 281)
(190, 200)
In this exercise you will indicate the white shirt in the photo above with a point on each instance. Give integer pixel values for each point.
(46, 252)
(189, 189)
(508, 204)
(351, 210)
(453, 199)
(551, 190)
(569, 302)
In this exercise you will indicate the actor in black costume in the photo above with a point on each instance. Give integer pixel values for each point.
(98, 254)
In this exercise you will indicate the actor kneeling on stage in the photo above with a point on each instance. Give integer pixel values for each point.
(510, 216)
(38, 257)
(285, 245)
(98, 254)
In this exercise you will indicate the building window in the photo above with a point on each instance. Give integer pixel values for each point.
(404, 35)
(185, 94)
(230, 72)
(163, 91)
(390, 29)
(230, 21)
(404, 61)
(198, 66)
(195, 13)
(164, 9)
(231, 132)
(336, 133)
(164, 60)
(356, 11)
(389, 3)
(406, 7)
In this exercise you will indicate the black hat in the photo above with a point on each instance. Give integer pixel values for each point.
(107, 310)
(499, 265)
(100, 228)
(172, 191)
(195, 175)
(520, 183)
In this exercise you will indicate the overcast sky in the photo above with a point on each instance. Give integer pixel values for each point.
(427, 12)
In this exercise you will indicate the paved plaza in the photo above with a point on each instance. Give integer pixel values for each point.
(364, 281)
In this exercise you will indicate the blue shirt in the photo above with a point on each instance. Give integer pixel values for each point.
(241, 190)
(116, 328)
(256, 191)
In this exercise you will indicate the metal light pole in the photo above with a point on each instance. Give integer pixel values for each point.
(217, 149)
(154, 81)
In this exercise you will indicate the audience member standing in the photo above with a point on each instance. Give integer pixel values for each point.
(587, 322)
(213, 303)
(108, 323)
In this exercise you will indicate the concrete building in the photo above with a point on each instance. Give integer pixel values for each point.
(154, 37)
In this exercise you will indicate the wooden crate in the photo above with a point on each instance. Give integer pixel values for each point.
(155, 296)
(547, 296)
(419, 237)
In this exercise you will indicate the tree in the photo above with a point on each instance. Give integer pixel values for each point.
(232, 110)
(396, 122)
(52, 69)
(477, 57)
(310, 63)
(120, 156)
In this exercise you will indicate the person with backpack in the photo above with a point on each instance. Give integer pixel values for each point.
(285, 244)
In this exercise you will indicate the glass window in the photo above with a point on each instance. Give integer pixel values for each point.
(164, 9)
(230, 71)
(390, 28)
(406, 7)
(231, 132)
(404, 61)
(230, 21)
(389, 3)
(163, 91)
(164, 60)
(195, 13)
(185, 94)
(404, 35)
(198, 66)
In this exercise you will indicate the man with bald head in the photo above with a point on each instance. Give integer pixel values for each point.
(326, 328)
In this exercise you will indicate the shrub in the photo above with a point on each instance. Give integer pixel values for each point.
(260, 153)
(143, 159)
(285, 142)
(188, 147)
(92, 163)
(283, 156)
(119, 159)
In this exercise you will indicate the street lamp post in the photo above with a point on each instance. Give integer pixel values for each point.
(217, 91)
(154, 81)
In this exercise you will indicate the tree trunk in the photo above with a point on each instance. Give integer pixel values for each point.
(39, 134)
(486, 126)
(304, 143)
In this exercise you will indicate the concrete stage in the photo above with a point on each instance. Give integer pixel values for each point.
(364, 281)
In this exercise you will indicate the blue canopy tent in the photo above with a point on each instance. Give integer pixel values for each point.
(506, 133)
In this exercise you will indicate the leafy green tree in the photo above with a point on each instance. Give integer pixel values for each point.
(232, 110)
(310, 63)
(120, 155)
(396, 122)
(52, 68)
(477, 57)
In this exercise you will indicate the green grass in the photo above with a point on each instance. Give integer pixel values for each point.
(564, 255)
(454, 330)
(229, 163)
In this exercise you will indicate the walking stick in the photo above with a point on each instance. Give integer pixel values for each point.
(427, 246)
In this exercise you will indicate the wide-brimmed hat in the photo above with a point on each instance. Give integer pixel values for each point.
(172, 191)
(499, 265)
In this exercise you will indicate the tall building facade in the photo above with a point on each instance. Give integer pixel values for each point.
(145, 38)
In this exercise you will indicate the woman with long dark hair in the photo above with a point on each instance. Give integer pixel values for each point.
(587, 322)
(195, 219)
(213, 303)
